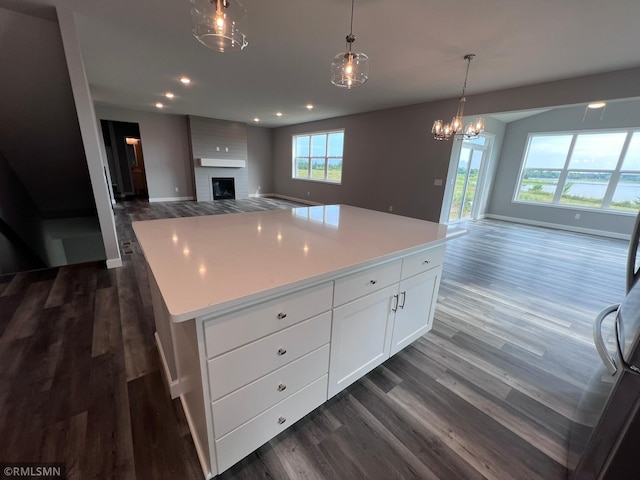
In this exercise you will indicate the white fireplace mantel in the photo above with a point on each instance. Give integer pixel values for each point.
(222, 162)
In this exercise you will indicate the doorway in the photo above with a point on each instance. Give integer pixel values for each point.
(123, 146)
(470, 172)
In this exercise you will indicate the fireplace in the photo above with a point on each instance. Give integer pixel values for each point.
(224, 188)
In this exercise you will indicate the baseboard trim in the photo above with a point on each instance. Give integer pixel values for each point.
(199, 450)
(169, 199)
(557, 226)
(114, 262)
(173, 385)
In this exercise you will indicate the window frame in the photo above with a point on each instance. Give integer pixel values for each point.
(611, 186)
(327, 158)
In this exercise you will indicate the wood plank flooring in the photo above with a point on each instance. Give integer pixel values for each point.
(489, 393)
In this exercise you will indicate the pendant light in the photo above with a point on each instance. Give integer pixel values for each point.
(220, 25)
(350, 69)
(442, 131)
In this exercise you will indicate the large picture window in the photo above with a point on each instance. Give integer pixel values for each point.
(318, 156)
(583, 169)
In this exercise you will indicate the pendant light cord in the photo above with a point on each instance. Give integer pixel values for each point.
(350, 38)
(352, 7)
(466, 75)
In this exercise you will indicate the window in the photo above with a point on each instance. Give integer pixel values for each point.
(584, 169)
(318, 156)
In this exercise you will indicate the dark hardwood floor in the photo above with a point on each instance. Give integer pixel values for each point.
(489, 393)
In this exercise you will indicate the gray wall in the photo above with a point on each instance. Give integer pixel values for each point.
(165, 146)
(617, 115)
(390, 157)
(39, 134)
(259, 147)
(167, 153)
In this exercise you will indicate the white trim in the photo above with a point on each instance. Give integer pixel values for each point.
(222, 162)
(196, 442)
(114, 262)
(558, 226)
(174, 385)
(286, 197)
(169, 199)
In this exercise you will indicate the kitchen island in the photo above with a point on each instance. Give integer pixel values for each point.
(261, 317)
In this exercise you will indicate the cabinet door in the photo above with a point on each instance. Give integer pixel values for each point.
(416, 306)
(360, 337)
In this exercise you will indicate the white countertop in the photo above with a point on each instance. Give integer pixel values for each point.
(206, 264)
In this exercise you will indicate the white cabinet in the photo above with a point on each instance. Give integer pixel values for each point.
(360, 337)
(379, 311)
(367, 281)
(268, 330)
(245, 364)
(416, 306)
(247, 437)
(266, 367)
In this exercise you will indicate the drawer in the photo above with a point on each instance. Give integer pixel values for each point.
(239, 328)
(423, 261)
(245, 439)
(243, 365)
(362, 283)
(245, 403)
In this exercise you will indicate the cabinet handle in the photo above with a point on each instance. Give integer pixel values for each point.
(281, 420)
(281, 351)
(281, 316)
(426, 262)
(373, 282)
(395, 307)
(282, 387)
(404, 298)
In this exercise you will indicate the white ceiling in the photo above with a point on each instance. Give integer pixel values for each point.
(134, 51)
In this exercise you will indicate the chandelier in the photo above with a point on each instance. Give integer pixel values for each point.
(442, 131)
(350, 69)
(220, 25)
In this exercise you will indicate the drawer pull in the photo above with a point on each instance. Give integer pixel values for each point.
(282, 387)
(373, 282)
(426, 262)
(281, 351)
(404, 299)
(281, 315)
(281, 420)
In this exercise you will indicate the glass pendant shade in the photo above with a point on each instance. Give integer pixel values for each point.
(456, 124)
(220, 25)
(349, 69)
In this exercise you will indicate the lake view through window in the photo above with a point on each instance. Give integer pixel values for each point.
(585, 169)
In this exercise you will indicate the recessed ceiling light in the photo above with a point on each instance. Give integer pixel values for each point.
(594, 105)
(159, 105)
(169, 95)
(278, 114)
(309, 106)
(256, 119)
(185, 80)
